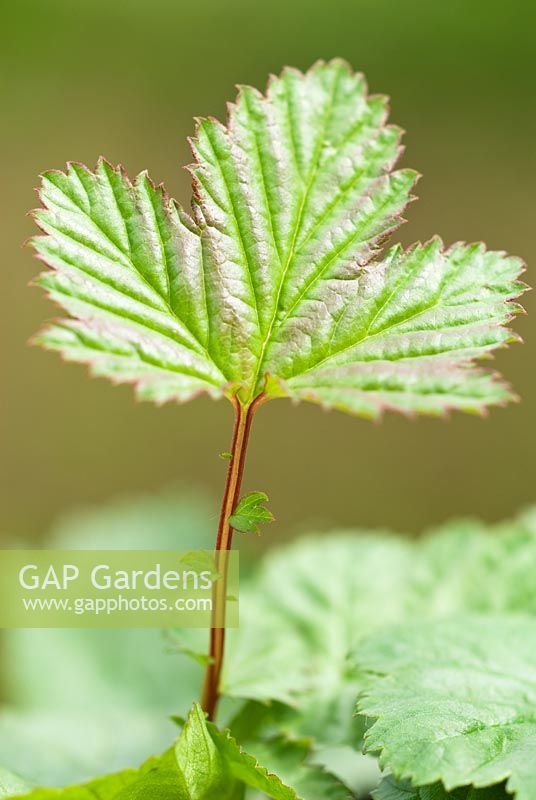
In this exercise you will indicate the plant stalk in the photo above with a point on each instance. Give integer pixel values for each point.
(231, 496)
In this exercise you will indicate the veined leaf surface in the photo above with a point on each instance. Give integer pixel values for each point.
(455, 702)
(274, 283)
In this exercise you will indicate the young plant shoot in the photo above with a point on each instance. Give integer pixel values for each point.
(276, 283)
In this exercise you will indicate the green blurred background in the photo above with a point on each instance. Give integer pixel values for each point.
(124, 79)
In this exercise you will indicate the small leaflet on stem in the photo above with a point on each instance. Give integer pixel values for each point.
(250, 513)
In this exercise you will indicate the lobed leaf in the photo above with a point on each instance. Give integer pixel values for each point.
(250, 513)
(122, 267)
(455, 702)
(274, 283)
(407, 338)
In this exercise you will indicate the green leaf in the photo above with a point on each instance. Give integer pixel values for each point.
(158, 778)
(274, 283)
(455, 701)
(215, 765)
(192, 770)
(206, 764)
(279, 769)
(319, 597)
(304, 597)
(204, 768)
(154, 773)
(250, 513)
(392, 789)
(289, 761)
(51, 732)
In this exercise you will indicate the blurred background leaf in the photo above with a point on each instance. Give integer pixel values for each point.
(80, 702)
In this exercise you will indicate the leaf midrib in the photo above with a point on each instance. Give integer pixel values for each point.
(237, 224)
(297, 225)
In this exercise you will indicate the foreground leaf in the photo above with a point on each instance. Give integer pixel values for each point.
(225, 759)
(288, 760)
(250, 513)
(204, 769)
(274, 284)
(455, 702)
(279, 770)
(109, 787)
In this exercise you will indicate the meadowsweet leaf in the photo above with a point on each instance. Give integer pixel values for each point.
(250, 513)
(406, 339)
(275, 281)
(319, 602)
(455, 702)
(124, 266)
(392, 789)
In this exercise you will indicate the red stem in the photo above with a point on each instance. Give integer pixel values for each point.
(231, 496)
